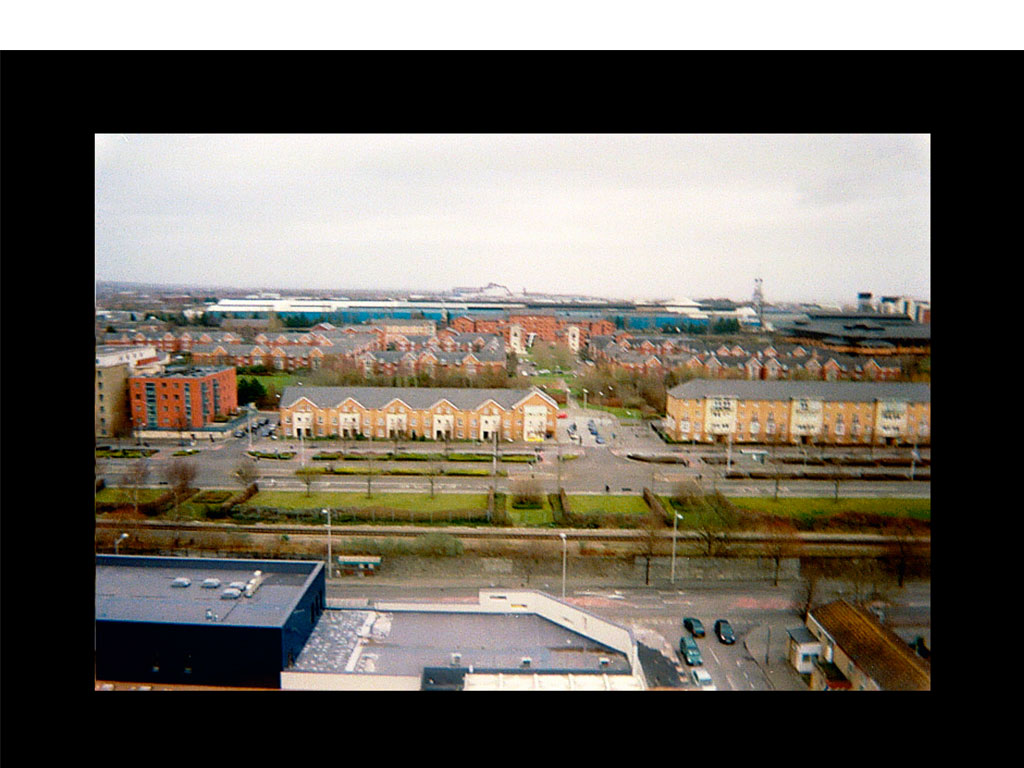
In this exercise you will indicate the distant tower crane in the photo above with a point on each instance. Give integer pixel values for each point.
(759, 301)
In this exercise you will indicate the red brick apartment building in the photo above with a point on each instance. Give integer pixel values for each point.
(182, 399)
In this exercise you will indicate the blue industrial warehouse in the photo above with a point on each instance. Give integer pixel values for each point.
(203, 621)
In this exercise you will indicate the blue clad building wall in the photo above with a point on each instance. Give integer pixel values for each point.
(147, 631)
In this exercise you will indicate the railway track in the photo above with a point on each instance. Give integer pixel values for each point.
(608, 536)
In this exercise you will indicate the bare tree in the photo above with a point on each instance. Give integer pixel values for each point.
(529, 557)
(135, 477)
(308, 475)
(648, 542)
(180, 474)
(810, 589)
(710, 530)
(903, 548)
(433, 471)
(782, 542)
(862, 576)
(245, 473)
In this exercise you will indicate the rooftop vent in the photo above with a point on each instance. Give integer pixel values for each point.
(254, 583)
(456, 659)
(605, 661)
(181, 581)
(526, 661)
(230, 594)
(239, 585)
(211, 583)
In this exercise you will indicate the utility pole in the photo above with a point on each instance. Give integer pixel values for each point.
(559, 461)
(494, 461)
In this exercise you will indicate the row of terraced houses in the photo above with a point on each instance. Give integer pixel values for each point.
(411, 412)
(799, 412)
(658, 354)
(375, 351)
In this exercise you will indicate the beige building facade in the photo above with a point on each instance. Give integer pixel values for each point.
(412, 412)
(114, 366)
(798, 412)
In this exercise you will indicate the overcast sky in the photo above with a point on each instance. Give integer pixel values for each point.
(817, 217)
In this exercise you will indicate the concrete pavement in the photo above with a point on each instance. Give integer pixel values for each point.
(775, 666)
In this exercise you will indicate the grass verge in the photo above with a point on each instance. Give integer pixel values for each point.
(621, 505)
(809, 509)
(419, 501)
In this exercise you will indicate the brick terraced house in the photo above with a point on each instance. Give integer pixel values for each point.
(823, 412)
(436, 413)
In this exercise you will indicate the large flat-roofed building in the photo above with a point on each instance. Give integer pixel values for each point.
(435, 413)
(860, 333)
(823, 412)
(189, 399)
(503, 640)
(203, 621)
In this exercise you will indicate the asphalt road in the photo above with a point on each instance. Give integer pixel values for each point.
(597, 468)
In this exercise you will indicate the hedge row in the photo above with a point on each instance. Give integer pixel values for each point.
(417, 471)
(284, 455)
(339, 456)
(148, 508)
(833, 476)
(359, 515)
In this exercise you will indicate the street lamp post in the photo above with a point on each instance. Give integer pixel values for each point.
(585, 398)
(328, 513)
(118, 540)
(675, 528)
(564, 554)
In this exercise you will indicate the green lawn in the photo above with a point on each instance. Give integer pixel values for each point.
(801, 508)
(127, 495)
(279, 380)
(622, 413)
(624, 505)
(524, 517)
(541, 379)
(422, 501)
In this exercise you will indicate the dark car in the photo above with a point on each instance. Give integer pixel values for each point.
(724, 631)
(689, 651)
(693, 626)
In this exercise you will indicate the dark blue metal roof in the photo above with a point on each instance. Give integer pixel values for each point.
(131, 588)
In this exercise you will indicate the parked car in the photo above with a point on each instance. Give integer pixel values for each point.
(689, 651)
(563, 415)
(702, 680)
(724, 631)
(239, 433)
(693, 626)
(598, 439)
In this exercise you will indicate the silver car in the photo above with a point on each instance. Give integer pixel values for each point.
(702, 680)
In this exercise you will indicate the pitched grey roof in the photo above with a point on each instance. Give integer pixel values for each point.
(419, 398)
(841, 328)
(230, 349)
(833, 391)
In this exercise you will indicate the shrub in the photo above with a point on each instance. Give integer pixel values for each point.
(438, 545)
